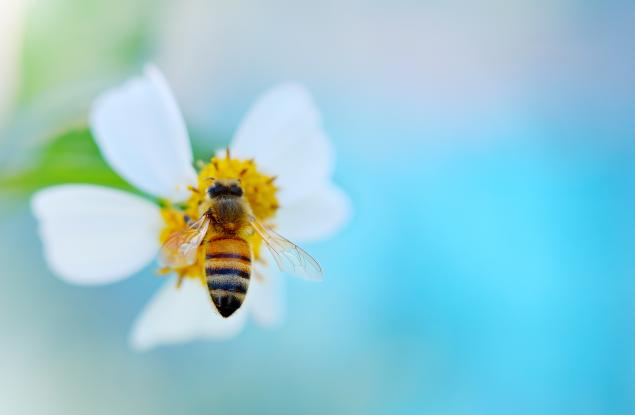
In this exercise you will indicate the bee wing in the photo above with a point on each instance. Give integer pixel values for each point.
(288, 256)
(180, 249)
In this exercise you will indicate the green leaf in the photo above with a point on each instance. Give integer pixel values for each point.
(72, 157)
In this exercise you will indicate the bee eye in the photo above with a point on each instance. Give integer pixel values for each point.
(236, 190)
(215, 190)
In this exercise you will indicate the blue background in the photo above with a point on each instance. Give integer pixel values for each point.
(488, 267)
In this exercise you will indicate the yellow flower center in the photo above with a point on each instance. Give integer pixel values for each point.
(258, 189)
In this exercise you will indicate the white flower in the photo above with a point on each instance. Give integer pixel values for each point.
(96, 235)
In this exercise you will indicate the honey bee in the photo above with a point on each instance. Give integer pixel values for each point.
(225, 226)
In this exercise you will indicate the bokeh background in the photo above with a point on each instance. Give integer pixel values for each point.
(488, 150)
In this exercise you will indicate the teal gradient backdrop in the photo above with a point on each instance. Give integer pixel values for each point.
(488, 267)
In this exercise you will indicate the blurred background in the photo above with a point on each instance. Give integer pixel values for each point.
(488, 150)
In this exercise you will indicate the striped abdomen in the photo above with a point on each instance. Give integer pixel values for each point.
(227, 270)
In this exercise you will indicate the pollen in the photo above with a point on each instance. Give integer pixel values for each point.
(258, 189)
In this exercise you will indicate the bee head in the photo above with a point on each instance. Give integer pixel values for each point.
(225, 187)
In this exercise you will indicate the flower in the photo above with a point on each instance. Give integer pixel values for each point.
(97, 235)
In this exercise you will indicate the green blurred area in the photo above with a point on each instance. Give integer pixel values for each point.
(65, 42)
(69, 158)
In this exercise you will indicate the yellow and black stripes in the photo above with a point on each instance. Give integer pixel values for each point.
(227, 272)
(228, 255)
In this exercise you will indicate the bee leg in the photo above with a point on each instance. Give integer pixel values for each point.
(259, 276)
(187, 219)
(193, 189)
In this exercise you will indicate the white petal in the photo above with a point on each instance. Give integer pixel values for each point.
(315, 217)
(283, 133)
(179, 315)
(266, 297)
(141, 133)
(95, 235)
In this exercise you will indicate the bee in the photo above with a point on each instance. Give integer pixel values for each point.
(225, 226)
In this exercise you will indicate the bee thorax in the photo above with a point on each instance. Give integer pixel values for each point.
(229, 213)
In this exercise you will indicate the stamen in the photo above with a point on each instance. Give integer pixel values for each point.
(163, 271)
